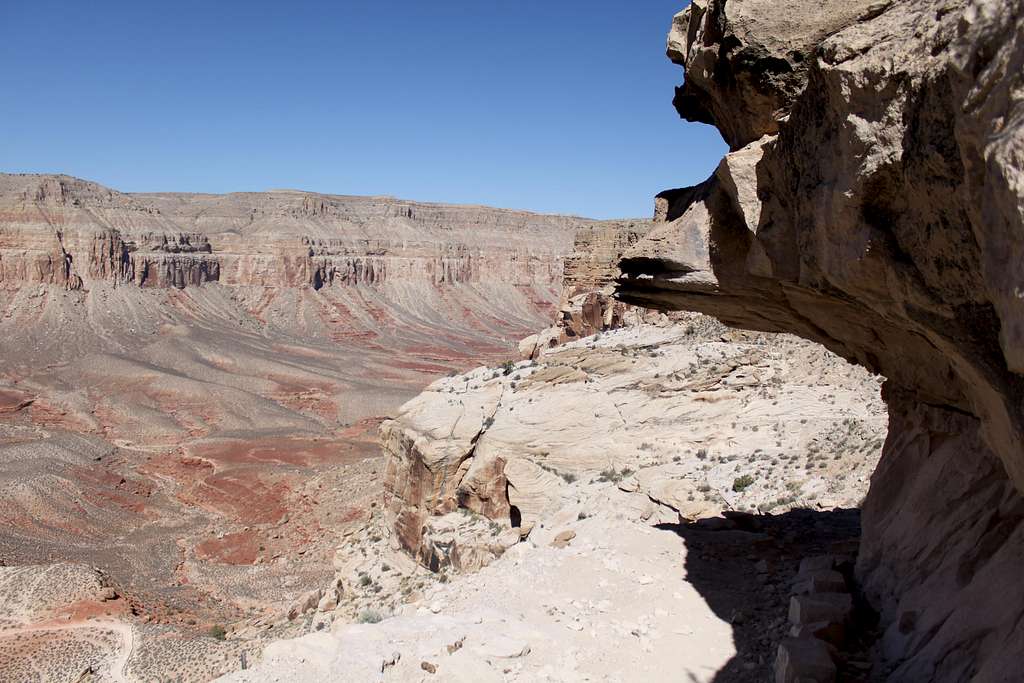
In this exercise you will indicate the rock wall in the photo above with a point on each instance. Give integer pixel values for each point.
(69, 232)
(588, 305)
(873, 200)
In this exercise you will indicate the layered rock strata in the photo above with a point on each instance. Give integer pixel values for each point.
(70, 232)
(587, 305)
(873, 200)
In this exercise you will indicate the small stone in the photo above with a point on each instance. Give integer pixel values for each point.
(562, 538)
(456, 646)
(502, 647)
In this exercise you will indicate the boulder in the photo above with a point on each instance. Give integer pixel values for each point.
(307, 602)
(828, 607)
(804, 660)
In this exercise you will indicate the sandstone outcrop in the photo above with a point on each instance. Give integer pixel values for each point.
(739, 422)
(873, 200)
(587, 305)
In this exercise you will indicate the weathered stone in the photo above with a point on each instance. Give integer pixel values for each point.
(328, 602)
(307, 602)
(563, 538)
(830, 607)
(819, 582)
(830, 632)
(804, 660)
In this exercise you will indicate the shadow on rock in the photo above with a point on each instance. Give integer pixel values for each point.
(744, 566)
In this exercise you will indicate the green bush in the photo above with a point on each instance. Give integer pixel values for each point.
(740, 484)
(217, 631)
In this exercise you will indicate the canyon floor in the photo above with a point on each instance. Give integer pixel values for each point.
(188, 459)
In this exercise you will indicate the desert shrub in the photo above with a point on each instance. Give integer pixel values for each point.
(217, 631)
(612, 475)
(370, 616)
(741, 484)
(507, 367)
(365, 580)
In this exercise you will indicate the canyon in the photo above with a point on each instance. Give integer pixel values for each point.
(871, 202)
(190, 388)
(773, 434)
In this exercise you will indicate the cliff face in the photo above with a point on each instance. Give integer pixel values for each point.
(873, 200)
(70, 232)
(587, 305)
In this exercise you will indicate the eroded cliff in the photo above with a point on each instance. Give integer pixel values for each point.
(71, 232)
(873, 200)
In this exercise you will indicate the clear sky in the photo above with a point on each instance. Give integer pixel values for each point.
(550, 105)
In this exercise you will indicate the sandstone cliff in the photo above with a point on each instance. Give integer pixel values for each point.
(71, 232)
(873, 200)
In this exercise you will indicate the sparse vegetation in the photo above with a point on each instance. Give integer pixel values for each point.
(742, 483)
(370, 616)
(614, 476)
(217, 632)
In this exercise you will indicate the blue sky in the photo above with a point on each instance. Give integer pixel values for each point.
(557, 106)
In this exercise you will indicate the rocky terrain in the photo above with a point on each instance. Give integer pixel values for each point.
(669, 499)
(190, 389)
(873, 201)
(529, 524)
(201, 542)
